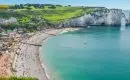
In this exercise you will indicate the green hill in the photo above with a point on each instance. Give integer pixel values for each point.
(32, 17)
(57, 14)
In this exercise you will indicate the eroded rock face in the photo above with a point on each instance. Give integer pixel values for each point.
(127, 14)
(105, 17)
(8, 21)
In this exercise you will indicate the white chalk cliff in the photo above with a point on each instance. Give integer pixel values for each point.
(107, 17)
(8, 21)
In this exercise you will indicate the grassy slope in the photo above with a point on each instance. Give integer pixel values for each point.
(62, 13)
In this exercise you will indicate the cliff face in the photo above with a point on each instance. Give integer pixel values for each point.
(127, 14)
(105, 17)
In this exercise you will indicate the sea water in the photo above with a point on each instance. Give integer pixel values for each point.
(95, 53)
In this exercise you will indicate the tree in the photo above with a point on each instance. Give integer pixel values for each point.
(11, 7)
(24, 22)
(52, 7)
(21, 6)
(59, 5)
(43, 7)
(28, 8)
(69, 5)
(16, 6)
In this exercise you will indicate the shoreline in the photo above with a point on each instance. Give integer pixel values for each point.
(28, 62)
(41, 54)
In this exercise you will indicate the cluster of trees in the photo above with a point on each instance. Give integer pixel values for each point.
(22, 6)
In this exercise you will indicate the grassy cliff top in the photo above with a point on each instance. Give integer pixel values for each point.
(63, 13)
(52, 15)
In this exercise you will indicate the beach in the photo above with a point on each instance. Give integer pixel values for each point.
(28, 62)
(23, 57)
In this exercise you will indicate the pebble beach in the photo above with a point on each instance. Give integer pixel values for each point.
(28, 63)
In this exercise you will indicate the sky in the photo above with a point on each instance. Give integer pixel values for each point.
(121, 4)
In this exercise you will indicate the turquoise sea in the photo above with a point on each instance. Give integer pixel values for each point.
(95, 53)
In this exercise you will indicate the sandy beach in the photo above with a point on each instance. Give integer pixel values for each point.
(28, 63)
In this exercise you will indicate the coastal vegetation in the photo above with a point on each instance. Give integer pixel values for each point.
(17, 78)
(19, 43)
(36, 16)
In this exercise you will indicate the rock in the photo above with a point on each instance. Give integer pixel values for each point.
(105, 17)
(8, 21)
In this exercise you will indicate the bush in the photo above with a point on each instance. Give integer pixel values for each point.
(18, 78)
(52, 7)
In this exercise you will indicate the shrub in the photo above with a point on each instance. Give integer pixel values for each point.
(18, 78)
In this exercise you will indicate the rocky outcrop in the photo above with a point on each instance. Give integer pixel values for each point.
(127, 14)
(8, 21)
(107, 17)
